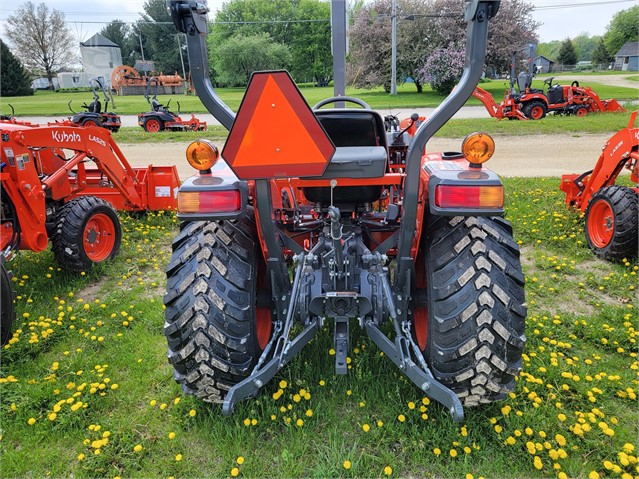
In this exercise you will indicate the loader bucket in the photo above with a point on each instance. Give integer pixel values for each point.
(569, 187)
(613, 105)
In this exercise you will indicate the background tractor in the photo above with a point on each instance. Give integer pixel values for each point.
(161, 118)
(94, 114)
(526, 103)
(336, 219)
(63, 184)
(611, 211)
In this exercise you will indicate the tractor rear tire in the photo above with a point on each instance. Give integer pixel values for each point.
(87, 232)
(214, 327)
(611, 223)
(535, 110)
(7, 310)
(476, 310)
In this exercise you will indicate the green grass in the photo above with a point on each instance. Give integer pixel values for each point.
(80, 335)
(46, 103)
(592, 124)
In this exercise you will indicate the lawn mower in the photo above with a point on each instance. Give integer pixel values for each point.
(317, 216)
(611, 211)
(64, 184)
(161, 118)
(94, 115)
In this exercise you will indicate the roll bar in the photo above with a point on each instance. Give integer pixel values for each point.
(477, 14)
(189, 17)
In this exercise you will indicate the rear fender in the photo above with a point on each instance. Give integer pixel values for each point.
(451, 169)
(220, 179)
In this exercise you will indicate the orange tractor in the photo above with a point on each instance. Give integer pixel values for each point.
(611, 211)
(63, 184)
(527, 103)
(327, 215)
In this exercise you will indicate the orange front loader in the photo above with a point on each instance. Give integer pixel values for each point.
(64, 184)
(610, 210)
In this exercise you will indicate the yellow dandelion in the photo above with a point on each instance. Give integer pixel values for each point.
(192, 412)
(235, 472)
(138, 447)
(240, 460)
(178, 457)
(347, 464)
(401, 418)
(453, 453)
(366, 427)
(388, 470)
(81, 457)
(593, 475)
(31, 421)
(437, 451)
(300, 422)
(537, 463)
(171, 435)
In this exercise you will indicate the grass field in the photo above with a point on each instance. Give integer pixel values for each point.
(592, 124)
(86, 390)
(46, 103)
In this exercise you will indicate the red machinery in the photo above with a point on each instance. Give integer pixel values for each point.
(161, 118)
(611, 210)
(124, 75)
(63, 183)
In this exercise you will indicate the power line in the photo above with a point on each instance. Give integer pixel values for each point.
(572, 5)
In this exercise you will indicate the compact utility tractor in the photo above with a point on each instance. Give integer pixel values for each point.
(316, 216)
(94, 114)
(611, 211)
(161, 118)
(64, 184)
(524, 102)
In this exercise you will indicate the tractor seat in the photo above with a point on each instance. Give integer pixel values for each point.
(95, 106)
(360, 141)
(156, 105)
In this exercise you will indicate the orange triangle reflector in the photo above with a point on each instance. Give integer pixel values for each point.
(275, 133)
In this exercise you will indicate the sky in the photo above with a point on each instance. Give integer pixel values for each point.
(560, 18)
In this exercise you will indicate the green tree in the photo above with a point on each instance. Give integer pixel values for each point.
(14, 79)
(41, 39)
(623, 28)
(584, 46)
(550, 50)
(567, 54)
(159, 38)
(303, 25)
(120, 33)
(240, 56)
(600, 55)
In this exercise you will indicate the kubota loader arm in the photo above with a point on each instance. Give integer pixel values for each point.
(620, 150)
(94, 143)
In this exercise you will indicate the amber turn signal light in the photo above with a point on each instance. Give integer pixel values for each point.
(478, 148)
(202, 155)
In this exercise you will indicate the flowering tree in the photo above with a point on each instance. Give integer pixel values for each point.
(443, 69)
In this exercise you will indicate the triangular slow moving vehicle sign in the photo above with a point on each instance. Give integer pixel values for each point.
(275, 133)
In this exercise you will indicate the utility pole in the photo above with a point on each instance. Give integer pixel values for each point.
(181, 57)
(394, 48)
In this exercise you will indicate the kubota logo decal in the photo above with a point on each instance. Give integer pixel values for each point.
(97, 140)
(63, 137)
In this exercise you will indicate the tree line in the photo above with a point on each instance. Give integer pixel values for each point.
(250, 35)
(599, 50)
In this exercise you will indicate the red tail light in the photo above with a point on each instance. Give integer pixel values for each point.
(482, 197)
(226, 201)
